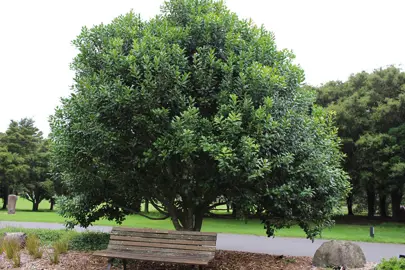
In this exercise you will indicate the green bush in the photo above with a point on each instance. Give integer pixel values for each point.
(89, 241)
(391, 264)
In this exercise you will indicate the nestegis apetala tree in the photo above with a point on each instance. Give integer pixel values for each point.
(189, 106)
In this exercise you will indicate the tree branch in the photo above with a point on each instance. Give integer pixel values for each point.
(158, 208)
(140, 213)
(226, 216)
(215, 205)
(29, 198)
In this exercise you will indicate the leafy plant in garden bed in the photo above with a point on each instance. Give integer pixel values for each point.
(89, 241)
(391, 264)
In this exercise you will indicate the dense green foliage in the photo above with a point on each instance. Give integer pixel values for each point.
(370, 114)
(187, 107)
(391, 264)
(89, 241)
(24, 163)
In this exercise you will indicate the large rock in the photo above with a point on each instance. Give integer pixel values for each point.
(339, 253)
(20, 237)
(12, 201)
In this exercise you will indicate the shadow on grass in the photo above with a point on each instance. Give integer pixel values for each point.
(365, 220)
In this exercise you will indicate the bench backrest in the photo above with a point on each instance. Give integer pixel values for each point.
(163, 242)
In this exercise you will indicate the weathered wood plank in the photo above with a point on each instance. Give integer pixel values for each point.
(160, 245)
(144, 230)
(163, 240)
(165, 236)
(132, 256)
(164, 251)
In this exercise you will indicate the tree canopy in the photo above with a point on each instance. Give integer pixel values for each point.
(370, 109)
(193, 105)
(24, 163)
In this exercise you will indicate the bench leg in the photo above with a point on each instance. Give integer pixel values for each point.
(124, 262)
(110, 261)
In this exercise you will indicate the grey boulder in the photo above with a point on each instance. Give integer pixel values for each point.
(339, 253)
(17, 236)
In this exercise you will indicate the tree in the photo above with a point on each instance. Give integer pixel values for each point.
(38, 186)
(12, 167)
(187, 107)
(25, 161)
(370, 108)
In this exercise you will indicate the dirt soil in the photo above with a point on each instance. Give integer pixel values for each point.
(224, 260)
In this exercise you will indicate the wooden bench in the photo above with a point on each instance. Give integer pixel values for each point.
(182, 247)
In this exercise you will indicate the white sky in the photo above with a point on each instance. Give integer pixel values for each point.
(331, 39)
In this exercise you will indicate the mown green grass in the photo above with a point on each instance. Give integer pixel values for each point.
(384, 233)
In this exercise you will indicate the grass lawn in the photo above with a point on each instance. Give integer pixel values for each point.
(384, 233)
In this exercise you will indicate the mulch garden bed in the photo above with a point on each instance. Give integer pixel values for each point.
(224, 260)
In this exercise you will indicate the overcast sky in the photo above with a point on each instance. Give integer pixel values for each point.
(331, 39)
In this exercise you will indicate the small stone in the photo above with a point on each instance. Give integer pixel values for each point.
(339, 253)
(20, 237)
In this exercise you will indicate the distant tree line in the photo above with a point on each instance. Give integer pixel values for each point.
(25, 164)
(370, 115)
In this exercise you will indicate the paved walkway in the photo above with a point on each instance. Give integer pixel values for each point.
(250, 243)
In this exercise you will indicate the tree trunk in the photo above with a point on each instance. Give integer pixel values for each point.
(5, 197)
(198, 222)
(146, 206)
(396, 198)
(383, 205)
(191, 222)
(35, 206)
(190, 219)
(349, 202)
(52, 202)
(5, 201)
(227, 208)
(235, 211)
(371, 203)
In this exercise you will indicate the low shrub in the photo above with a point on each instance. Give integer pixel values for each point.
(391, 264)
(17, 259)
(89, 241)
(61, 246)
(11, 247)
(54, 257)
(33, 245)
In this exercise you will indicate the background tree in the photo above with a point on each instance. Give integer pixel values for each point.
(12, 166)
(187, 107)
(24, 162)
(38, 185)
(370, 113)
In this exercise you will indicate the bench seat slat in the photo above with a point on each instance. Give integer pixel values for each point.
(163, 241)
(165, 236)
(164, 231)
(159, 245)
(154, 251)
(157, 258)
